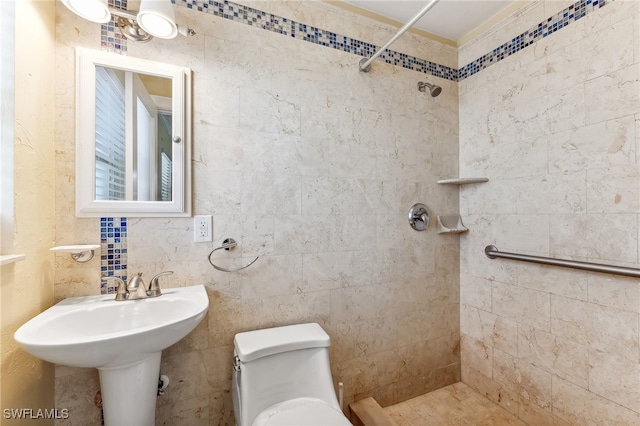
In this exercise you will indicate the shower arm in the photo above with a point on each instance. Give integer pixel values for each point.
(365, 64)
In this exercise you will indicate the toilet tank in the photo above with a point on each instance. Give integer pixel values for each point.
(279, 364)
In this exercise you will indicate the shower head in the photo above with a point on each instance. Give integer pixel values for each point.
(433, 89)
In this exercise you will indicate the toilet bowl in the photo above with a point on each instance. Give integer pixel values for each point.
(282, 377)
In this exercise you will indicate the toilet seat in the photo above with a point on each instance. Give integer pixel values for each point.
(301, 412)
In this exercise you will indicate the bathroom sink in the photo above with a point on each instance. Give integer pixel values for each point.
(122, 339)
(97, 331)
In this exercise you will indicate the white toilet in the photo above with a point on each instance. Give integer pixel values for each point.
(282, 377)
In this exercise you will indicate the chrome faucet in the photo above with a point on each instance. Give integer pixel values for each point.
(136, 288)
(132, 291)
(154, 285)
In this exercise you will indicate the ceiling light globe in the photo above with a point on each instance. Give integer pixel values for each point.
(157, 26)
(92, 10)
(157, 18)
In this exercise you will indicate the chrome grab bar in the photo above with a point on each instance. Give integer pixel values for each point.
(228, 244)
(492, 252)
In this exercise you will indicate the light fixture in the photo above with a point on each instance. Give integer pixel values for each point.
(131, 30)
(156, 18)
(92, 10)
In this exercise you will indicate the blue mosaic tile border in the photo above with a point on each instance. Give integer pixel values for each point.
(534, 34)
(113, 258)
(253, 17)
(300, 31)
(111, 39)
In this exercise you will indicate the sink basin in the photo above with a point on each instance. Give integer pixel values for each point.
(122, 339)
(97, 331)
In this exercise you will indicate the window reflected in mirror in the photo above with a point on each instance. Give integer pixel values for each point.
(133, 148)
(133, 136)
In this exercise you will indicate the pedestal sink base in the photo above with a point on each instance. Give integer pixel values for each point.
(129, 392)
(122, 339)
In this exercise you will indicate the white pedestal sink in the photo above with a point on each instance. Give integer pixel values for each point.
(123, 340)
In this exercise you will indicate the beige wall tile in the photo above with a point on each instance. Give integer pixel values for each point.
(476, 292)
(603, 236)
(615, 291)
(498, 332)
(522, 378)
(532, 414)
(613, 95)
(572, 99)
(551, 193)
(615, 379)
(576, 405)
(476, 355)
(608, 17)
(563, 358)
(553, 280)
(611, 190)
(614, 331)
(500, 198)
(473, 261)
(601, 144)
(194, 411)
(76, 390)
(570, 319)
(522, 305)
(494, 391)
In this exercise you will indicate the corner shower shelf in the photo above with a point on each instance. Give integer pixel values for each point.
(6, 259)
(462, 181)
(450, 225)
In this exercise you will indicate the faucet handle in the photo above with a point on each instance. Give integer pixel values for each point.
(121, 292)
(154, 285)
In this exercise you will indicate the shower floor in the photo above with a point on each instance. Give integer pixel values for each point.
(453, 405)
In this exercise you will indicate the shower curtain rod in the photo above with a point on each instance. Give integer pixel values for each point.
(365, 64)
(492, 252)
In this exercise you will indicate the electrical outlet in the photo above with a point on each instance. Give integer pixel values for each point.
(202, 228)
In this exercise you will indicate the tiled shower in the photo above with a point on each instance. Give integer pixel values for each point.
(313, 165)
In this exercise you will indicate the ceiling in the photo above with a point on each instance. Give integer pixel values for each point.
(451, 19)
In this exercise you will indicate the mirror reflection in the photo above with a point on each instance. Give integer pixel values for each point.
(133, 143)
(133, 136)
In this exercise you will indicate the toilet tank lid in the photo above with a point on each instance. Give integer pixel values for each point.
(256, 344)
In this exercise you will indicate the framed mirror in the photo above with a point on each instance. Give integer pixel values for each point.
(133, 137)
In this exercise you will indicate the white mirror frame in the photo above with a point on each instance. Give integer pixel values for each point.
(86, 203)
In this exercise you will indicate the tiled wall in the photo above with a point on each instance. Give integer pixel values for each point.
(113, 249)
(260, 18)
(556, 129)
(111, 38)
(552, 22)
(312, 165)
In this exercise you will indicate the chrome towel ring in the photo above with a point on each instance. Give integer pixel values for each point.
(228, 244)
